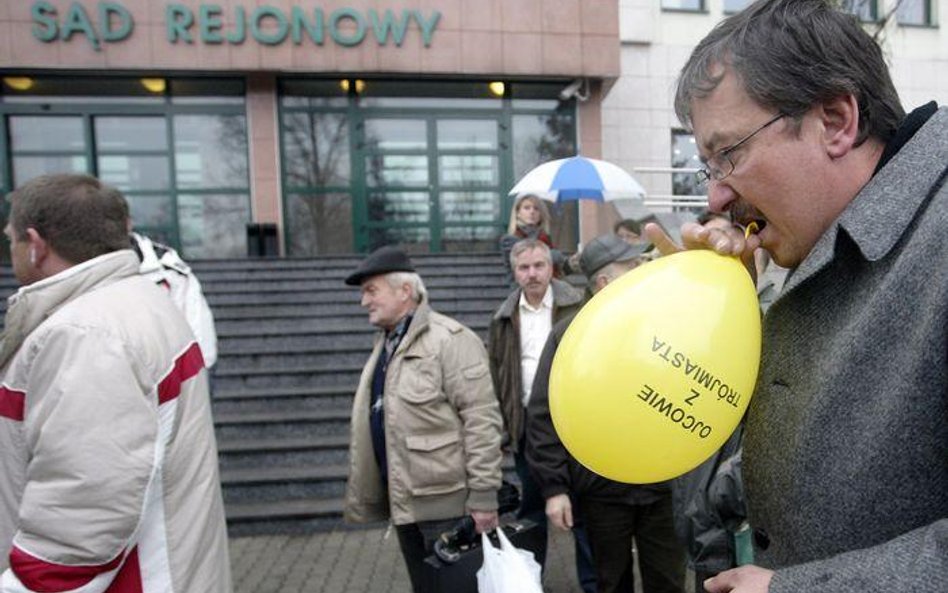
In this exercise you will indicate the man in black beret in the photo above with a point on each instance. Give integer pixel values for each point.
(426, 426)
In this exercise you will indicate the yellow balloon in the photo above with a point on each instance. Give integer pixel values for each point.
(655, 372)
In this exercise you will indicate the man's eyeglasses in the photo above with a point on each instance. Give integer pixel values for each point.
(720, 164)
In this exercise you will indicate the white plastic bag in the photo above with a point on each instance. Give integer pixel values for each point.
(507, 569)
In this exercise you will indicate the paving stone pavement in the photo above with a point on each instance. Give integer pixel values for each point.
(353, 561)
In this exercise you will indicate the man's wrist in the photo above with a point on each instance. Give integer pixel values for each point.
(482, 500)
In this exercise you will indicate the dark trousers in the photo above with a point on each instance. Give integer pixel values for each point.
(612, 526)
(533, 507)
(417, 543)
(532, 503)
(700, 578)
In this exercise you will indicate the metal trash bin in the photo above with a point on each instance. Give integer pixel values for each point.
(262, 239)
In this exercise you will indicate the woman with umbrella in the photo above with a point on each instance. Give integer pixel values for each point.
(529, 219)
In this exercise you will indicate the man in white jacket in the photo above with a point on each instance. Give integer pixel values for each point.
(163, 266)
(107, 452)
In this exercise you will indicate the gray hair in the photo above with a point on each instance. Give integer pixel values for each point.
(418, 290)
(791, 54)
(524, 245)
(611, 271)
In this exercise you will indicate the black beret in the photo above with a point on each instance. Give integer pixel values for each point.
(381, 261)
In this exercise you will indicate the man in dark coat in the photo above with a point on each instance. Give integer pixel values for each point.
(615, 514)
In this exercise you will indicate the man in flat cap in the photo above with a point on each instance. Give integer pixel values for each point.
(614, 514)
(426, 426)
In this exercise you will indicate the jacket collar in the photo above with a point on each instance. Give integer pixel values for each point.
(564, 295)
(419, 324)
(874, 220)
(33, 304)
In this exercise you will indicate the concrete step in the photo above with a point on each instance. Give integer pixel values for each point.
(297, 297)
(355, 325)
(293, 357)
(229, 379)
(300, 516)
(258, 484)
(243, 340)
(281, 451)
(283, 423)
(229, 403)
(430, 273)
(236, 311)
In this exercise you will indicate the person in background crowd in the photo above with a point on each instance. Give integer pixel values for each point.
(615, 514)
(529, 219)
(426, 426)
(845, 440)
(107, 448)
(163, 266)
(518, 330)
(706, 526)
(630, 231)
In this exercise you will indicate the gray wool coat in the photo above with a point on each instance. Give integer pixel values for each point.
(846, 451)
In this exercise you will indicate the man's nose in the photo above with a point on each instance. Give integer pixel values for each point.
(720, 195)
(364, 301)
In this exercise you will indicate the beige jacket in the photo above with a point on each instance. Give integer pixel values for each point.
(107, 452)
(442, 428)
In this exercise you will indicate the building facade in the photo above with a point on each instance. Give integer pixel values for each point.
(341, 124)
(657, 36)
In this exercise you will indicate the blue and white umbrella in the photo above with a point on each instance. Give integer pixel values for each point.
(579, 178)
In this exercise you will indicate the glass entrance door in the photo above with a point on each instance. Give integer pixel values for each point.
(429, 182)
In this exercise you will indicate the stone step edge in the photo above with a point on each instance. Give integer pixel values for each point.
(267, 393)
(282, 444)
(282, 417)
(320, 312)
(283, 474)
(300, 508)
(304, 370)
(361, 327)
(269, 286)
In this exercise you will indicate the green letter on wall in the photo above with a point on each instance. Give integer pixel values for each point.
(44, 21)
(178, 19)
(125, 21)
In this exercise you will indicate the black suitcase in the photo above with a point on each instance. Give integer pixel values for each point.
(455, 570)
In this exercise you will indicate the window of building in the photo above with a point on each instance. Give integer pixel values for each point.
(423, 164)
(685, 156)
(732, 6)
(684, 5)
(866, 10)
(176, 148)
(915, 12)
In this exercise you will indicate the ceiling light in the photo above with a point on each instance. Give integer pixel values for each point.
(496, 88)
(154, 85)
(358, 84)
(18, 83)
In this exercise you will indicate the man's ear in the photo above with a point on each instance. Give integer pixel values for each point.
(601, 281)
(38, 247)
(840, 118)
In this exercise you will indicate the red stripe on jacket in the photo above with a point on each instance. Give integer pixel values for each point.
(188, 365)
(11, 403)
(129, 578)
(47, 577)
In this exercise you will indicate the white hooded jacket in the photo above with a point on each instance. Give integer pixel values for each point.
(107, 449)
